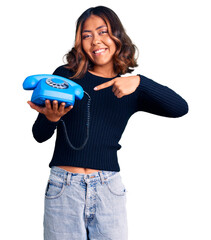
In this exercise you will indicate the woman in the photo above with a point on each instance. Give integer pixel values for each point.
(85, 197)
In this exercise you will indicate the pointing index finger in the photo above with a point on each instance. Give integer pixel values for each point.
(104, 85)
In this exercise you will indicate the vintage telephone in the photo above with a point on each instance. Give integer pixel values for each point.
(53, 87)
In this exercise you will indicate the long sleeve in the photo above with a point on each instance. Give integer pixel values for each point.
(43, 129)
(160, 100)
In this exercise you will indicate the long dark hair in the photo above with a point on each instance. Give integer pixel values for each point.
(124, 57)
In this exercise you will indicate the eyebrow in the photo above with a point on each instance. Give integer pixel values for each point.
(95, 29)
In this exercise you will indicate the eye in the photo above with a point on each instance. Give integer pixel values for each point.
(86, 36)
(103, 32)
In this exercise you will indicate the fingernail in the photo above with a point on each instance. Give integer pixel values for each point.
(95, 88)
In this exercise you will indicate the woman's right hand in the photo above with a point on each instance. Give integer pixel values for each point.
(52, 113)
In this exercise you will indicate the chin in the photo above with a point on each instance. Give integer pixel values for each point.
(102, 63)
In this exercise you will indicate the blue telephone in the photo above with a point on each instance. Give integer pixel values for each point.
(53, 87)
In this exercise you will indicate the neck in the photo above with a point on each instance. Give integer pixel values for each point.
(103, 72)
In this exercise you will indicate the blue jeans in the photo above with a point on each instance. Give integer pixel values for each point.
(85, 206)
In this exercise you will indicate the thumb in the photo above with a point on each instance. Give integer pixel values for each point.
(35, 107)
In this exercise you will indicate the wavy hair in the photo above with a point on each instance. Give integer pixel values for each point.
(124, 57)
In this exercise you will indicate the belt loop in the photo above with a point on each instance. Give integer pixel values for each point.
(101, 177)
(69, 177)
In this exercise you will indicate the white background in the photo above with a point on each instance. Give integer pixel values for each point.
(165, 162)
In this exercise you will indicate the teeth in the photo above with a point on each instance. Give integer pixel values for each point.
(100, 50)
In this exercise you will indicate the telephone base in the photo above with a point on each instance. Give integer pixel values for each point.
(40, 99)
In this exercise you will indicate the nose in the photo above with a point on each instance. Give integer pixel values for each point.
(96, 40)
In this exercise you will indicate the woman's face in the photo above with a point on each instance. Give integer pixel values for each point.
(97, 43)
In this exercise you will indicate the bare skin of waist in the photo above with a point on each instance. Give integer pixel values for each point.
(78, 169)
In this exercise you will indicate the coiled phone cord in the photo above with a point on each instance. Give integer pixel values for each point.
(87, 124)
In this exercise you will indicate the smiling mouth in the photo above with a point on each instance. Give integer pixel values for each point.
(99, 51)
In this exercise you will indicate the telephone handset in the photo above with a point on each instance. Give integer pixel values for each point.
(53, 87)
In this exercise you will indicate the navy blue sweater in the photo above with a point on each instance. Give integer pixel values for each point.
(108, 118)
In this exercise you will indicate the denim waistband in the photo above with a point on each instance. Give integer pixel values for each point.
(82, 177)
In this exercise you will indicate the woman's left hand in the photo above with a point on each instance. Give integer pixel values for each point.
(121, 85)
